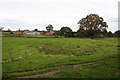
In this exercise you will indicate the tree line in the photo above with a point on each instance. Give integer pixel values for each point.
(92, 26)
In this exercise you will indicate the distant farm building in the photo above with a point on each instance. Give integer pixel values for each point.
(32, 33)
(18, 32)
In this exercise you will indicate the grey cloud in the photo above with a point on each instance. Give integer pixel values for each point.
(115, 20)
(40, 13)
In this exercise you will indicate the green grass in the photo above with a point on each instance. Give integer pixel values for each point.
(97, 70)
(47, 54)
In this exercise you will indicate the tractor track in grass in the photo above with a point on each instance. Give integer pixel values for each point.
(40, 75)
(54, 69)
(52, 72)
(49, 67)
(59, 66)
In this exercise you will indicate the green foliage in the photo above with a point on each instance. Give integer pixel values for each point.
(110, 34)
(90, 25)
(66, 32)
(7, 33)
(117, 33)
(36, 30)
(81, 33)
(49, 28)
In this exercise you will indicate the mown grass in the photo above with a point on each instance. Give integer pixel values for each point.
(44, 54)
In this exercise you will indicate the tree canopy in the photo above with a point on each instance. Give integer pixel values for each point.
(49, 28)
(117, 33)
(36, 30)
(66, 32)
(92, 23)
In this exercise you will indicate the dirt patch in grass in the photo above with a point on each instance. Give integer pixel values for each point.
(41, 74)
(87, 63)
(54, 50)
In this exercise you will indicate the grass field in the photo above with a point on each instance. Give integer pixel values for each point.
(60, 58)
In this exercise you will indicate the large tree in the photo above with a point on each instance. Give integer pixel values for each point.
(92, 23)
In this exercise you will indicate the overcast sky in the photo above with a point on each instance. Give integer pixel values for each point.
(31, 14)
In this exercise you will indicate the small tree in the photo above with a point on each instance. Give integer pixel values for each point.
(117, 33)
(66, 32)
(36, 30)
(110, 34)
(49, 28)
(8, 30)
